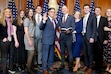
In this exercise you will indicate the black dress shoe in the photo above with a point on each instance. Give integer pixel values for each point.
(52, 69)
(62, 67)
(30, 71)
(70, 69)
(98, 71)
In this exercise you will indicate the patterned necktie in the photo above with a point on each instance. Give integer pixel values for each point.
(38, 18)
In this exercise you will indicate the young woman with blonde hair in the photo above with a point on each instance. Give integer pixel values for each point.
(107, 48)
(6, 31)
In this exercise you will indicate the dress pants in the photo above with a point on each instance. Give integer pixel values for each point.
(47, 56)
(38, 43)
(66, 43)
(7, 47)
(98, 54)
(88, 52)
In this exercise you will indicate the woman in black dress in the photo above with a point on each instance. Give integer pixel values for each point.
(19, 40)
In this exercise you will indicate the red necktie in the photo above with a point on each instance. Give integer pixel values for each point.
(64, 19)
(53, 23)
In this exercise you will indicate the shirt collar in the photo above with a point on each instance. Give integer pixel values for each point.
(66, 15)
(38, 14)
(87, 14)
(98, 16)
(50, 18)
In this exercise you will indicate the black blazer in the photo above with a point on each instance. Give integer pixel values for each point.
(91, 27)
(103, 35)
(3, 31)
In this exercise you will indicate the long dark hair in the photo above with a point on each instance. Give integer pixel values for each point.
(18, 18)
(27, 15)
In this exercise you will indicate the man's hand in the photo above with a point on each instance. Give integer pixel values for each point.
(45, 17)
(67, 31)
(91, 40)
(105, 42)
(5, 39)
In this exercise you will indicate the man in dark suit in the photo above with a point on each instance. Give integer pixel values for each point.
(89, 36)
(102, 38)
(48, 26)
(67, 26)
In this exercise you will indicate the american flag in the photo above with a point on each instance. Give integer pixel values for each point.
(92, 6)
(77, 6)
(12, 6)
(30, 5)
(57, 42)
(59, 13)
(45, 7)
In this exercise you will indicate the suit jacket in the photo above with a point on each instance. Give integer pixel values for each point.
(91, 27)
(49, 33)
(3, 31)
(103, 35)
(38, 32)
(70, 22)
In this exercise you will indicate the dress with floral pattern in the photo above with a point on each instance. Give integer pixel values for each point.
(107, 48)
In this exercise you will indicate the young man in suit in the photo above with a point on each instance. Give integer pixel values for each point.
(102, 39)
(67, 26)
(38, 35)
(89, 36)
(48, 25)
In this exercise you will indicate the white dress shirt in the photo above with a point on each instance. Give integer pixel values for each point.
(36, 18)
(52, 22)
(64, 16)
(85, 19)
(98, 19)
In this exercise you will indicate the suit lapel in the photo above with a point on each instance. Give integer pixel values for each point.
(51, 23)
(88, 18)
(67, 18)
(100, 21)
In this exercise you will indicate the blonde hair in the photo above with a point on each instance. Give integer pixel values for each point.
(2, 18)
(106, 11)
(80, 15)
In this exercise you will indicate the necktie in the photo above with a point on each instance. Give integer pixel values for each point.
(64, 19)
(53, 24)
(38, 18)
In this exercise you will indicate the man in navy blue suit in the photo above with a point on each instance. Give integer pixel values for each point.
(67, 26)
(48, 25)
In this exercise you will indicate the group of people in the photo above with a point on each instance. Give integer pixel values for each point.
(90, 35)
